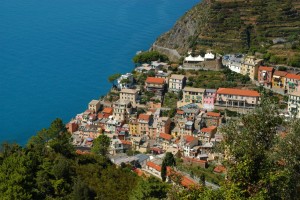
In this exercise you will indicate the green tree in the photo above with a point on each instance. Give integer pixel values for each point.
(148, 56)
(151, 188)
(168, 160)
(101, 145)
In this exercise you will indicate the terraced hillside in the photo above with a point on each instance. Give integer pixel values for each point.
(269, 27)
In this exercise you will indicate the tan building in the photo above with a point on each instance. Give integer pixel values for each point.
(238, 98)
(129, 95)
(250, 66)
(122, 110)
(191, 95)
(94, 105)
(176, 82)
(144, 122)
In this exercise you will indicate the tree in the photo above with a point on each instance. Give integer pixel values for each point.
(101, 145)
(249, 143)
(169, 160)
(113, 77)
(151, 188)
(202, 179)
(148, 56)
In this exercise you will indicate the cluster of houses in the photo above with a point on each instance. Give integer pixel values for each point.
(279, 81)
(193, 132)
(131, 126)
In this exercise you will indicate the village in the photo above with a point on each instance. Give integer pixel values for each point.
(154, 110)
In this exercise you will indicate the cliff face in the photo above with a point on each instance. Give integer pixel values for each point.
(236, 26)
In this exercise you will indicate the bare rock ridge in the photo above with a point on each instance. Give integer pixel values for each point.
(235, 26)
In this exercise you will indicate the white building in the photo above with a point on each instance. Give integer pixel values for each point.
(125, 81)
(233, 62)
(294, 104)
(191, 59)
(122, 110)
(209, 56)
(176, 82)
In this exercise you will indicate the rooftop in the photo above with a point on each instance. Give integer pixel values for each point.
(240, 92)
(94, 102)
(213, 114)
(177, 76)
(266, 68)
(165, 136)
(155, 80)
(292, 76)
(144, 117)
(296, 93)
(191, 89)
(129, 91)
(280, 73)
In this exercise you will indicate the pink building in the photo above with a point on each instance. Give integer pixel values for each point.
(265, 75)
(144, 122)
(209, 99)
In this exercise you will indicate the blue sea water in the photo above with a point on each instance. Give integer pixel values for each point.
(56, 55)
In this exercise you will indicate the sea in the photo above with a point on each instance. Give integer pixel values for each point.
(56, 55)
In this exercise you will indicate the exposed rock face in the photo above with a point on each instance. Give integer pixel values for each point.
(235, 25)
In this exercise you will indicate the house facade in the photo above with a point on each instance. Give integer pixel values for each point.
(209, 99)
(294, 104)
(144, 122)
(122, 110)
(176, 82)
(278, 80)
(156, 85)
(265, 75)
(129, 95)
(238, 98)
(292, 83)
(94, 106)
(192, 95)
(250, 66)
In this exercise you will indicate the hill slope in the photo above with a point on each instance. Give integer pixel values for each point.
(237, 26)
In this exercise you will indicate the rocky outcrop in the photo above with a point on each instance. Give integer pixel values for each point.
(172, 54)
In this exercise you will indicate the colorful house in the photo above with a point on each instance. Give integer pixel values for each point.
(265, 75)
(278, 80)
(292, 83)
(209, 99)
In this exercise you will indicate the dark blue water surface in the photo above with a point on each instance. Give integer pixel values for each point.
(56, 55)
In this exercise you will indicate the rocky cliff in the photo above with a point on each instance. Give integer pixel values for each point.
(226, 26)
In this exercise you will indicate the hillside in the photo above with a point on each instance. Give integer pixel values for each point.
(237, 26)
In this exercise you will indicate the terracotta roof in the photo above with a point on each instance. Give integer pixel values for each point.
(293, 76)
(107, 110)
(180, 112)
(220, 169)
(139, 172)
(126, 142)
(144, 117)
(296, 93)
(240, 92)
(165, 136)
(280, 73)
(187, 182)
(189, 138)
(213, 114)
(208, 129)
(266, 68)
(153, 165)
(155, 80)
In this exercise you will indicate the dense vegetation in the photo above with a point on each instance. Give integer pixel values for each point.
(148, 56)
(48, 168)
(269, 27)
(217, 79)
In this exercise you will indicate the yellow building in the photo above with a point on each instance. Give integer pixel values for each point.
(278, 80)
(250, 66)
(133, 127)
